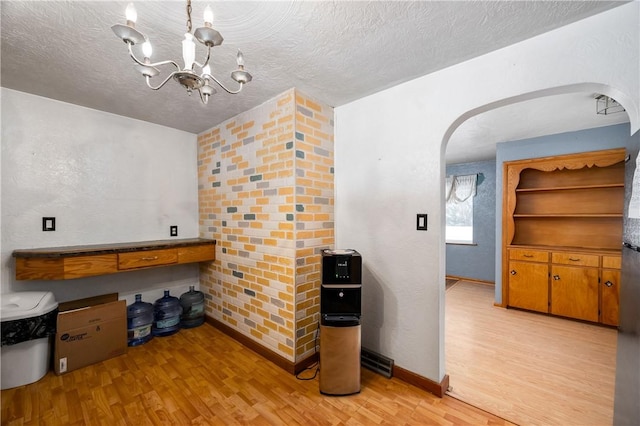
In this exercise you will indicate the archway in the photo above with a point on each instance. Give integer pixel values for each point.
(588, 88)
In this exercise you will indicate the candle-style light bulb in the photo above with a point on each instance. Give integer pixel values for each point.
(188, 51)
(240, 59)
(131, 14)
(147, 50)
(208, 16)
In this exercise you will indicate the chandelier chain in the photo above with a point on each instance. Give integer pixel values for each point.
(188, 16)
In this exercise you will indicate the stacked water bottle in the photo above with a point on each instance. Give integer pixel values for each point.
(165, 317)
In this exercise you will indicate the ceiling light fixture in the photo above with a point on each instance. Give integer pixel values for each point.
(606, 105)
(187, 76)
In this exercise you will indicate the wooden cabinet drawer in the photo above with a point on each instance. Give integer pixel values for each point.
(613, 262)
(144, 259)
(530, 255)
(576, 259)
(63, 268)
(197, 253)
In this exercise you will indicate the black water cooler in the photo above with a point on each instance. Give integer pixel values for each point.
(340, 295)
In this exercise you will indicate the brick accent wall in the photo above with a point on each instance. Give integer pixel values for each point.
(265, 188)
(314, 213)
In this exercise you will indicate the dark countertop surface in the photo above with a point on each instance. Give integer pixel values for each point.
(97, 249)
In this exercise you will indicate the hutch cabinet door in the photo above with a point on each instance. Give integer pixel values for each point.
(574, 292)
(610, 297)
(529, 286)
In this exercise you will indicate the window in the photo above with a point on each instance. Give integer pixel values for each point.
(459, 193)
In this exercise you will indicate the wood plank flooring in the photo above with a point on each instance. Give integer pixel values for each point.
(530, 369)
(201, 376)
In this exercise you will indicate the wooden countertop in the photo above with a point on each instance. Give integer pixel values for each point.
(98, 249)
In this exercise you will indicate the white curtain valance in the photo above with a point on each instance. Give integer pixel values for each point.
(458, 189)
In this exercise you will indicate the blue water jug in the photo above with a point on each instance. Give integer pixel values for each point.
(166, 312)
(192, 308)
(139, 322)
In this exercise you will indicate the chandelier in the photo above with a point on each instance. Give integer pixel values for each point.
(187, 75)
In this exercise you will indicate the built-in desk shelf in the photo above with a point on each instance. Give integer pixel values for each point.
(64, 263)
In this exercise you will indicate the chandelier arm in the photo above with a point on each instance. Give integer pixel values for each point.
(233, 92)
(206, 62)
(147, 78)
(155, 64)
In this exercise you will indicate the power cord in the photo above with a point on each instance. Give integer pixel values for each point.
(316, 364)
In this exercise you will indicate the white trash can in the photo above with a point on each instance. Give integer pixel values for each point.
(28, 324)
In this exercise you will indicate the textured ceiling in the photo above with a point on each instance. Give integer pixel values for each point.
(336, 52)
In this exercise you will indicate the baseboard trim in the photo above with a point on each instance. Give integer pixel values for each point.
(289, 366)
(438, 389)
(472, 280)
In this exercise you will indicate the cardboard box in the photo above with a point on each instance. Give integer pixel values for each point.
(89, 331)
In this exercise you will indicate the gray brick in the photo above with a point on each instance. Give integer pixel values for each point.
(304, 111)
(320, 151)
(277, 318)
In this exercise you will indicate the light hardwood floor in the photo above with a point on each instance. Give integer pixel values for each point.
(201, 376)
(530, 369)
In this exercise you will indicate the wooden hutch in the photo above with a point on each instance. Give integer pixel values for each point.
(562, 234)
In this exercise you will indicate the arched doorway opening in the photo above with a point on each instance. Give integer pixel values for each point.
(489, 351)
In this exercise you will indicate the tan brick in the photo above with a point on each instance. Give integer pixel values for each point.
(314, 106)
(269, 124)
(285, 349)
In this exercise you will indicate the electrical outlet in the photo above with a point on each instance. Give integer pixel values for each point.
(173, 230)
(48, 223)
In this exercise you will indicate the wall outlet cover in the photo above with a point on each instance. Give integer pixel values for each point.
(48, 223)
(173, 230)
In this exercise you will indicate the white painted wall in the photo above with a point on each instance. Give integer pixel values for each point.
(106, 179)
(390, 166)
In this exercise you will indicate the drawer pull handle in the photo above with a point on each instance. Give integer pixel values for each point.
(149, 258)
(513, 272)
(609, 284)
(574, 260)
(556, 277)
(527, 255)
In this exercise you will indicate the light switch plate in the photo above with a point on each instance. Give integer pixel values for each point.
(421, 222)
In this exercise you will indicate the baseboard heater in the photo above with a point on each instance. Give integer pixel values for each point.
(376, 362)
